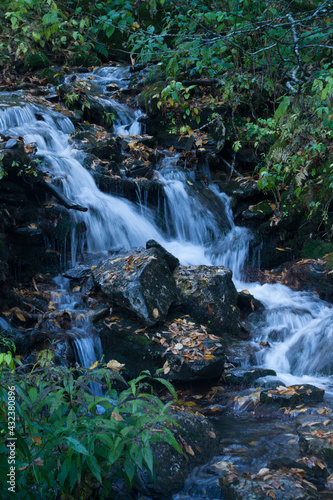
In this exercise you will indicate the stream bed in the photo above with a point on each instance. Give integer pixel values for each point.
(296, 327)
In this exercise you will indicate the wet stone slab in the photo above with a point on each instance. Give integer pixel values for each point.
(267, 483)
(293, 395)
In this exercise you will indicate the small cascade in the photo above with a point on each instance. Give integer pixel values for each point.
(186, 218)
(87, 345)
(299, 329)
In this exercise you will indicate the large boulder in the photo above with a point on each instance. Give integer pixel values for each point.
(185, 350)
(293, 395)
(266, 483)
(316, 435)
(141, 283)
(209, 295)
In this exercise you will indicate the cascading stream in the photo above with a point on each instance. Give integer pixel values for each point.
(296, 324)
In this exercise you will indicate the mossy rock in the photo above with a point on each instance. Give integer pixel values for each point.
(35, 60)
(84, 59)
(259, 212)
(147, 101)
(54, 77)
(316, 249)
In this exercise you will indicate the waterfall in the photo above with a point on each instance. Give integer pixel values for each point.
(296, 324)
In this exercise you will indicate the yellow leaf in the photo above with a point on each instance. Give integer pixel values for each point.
(156, 313)
(188, 449)
(37, 440)
(32, 226)
(117, 417)
(113, 364)
(212, 434)
(93, 365)
(166, 368)
(20, 316)
(280, 249)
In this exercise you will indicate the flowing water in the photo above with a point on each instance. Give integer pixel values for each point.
(297, 325)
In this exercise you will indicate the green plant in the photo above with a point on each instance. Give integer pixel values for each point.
(71, 98)
(67, 440)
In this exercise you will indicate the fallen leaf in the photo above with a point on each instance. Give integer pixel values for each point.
(93, 365)
(113, 364)
(156, 313)
(166, 368)
(117, 417)
(263, 472)
(20, 316)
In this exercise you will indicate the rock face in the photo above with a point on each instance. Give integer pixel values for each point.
(293, 395)
(141, 283)
(184, 349)
(283, 484)
(198, 440)
(315, 435)
(209, 296)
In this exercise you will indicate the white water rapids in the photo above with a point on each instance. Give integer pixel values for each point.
(297, 324)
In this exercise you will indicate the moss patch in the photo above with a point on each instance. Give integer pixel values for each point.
(316, 249)
(36, 60)
(147, 101)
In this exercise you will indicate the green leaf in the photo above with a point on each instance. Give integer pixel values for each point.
(148, 458)
(94, 467)
(130, 468)
(168, 385)
(283, 106)
(77, 446)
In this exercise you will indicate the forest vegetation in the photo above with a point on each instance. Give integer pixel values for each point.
(262, 73)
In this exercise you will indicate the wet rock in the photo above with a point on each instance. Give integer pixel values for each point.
(183, 348)
(247, 303)
(246, 376)
(125, 339)
(277, 484)
(77, 273)
(99, 143)
(77, 96)
(12, 143)
(293, 395)
(257, 213)
(316, 435)
(241, 353)
(322, 278)
(210, 297)
(149, 98)
(171, 260)
(97, 313)
(141, 283)
(197, 438)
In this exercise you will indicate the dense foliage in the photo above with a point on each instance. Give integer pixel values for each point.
(68, 441)
(270, 62)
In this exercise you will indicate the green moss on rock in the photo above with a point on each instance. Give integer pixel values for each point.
(316, 249)
(84, 59)
(54, 77)
(35, 60)
(147, 100)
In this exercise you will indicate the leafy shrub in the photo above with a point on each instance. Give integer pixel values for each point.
(68, 441)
